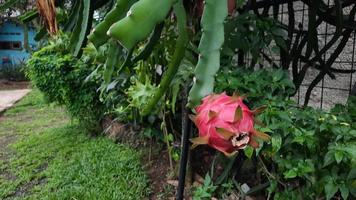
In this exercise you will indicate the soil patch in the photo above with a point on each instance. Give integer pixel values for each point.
(4, 150)
(13, 85)
(25, 188)
(157, 168)
(5, 154)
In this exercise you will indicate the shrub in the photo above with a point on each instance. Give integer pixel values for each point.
(260, 86)
(312, 152)
(13, 72)
(60, 76)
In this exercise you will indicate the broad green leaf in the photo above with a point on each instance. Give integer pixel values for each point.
(28, 16)
(290, 173)
(344, 191)
(111, 61)
(280, 32)
(82, 27)
(276, 142)
(248, 151)
(352, 174)
(353, 133)
(338, 156)
(328, 158)
(330, 189)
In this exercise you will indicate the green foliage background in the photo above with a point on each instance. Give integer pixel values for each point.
(61, 77)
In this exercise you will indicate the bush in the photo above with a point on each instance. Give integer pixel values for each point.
(13, 72)
(60, 76)
(312, 152)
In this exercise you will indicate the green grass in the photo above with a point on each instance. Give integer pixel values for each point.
(51, 157)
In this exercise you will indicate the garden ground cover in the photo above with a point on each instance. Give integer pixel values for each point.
(45, 155)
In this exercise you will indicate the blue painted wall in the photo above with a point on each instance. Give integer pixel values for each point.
(10, 31)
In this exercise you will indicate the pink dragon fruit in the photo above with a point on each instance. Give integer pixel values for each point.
(226, 124)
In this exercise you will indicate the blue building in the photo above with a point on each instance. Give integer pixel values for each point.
(12, 51)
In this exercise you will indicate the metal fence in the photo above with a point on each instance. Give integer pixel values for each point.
(324, 76)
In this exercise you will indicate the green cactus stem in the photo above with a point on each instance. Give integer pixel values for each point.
(140, 21)
(178, 56)
(98, 37)
(210, 44)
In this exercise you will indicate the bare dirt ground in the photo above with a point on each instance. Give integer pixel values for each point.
(12, 85)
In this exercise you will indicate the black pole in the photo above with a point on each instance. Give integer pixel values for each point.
(186, 127)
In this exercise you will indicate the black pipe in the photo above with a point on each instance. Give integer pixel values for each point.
(186, 128)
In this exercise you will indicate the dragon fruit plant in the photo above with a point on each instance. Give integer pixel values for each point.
(226, 124)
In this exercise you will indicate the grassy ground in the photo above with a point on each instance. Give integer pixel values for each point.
(43, 155)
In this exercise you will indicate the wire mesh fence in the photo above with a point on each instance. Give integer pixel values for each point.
(321, 48)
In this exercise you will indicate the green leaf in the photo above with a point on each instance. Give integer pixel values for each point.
(330, 189)
(290, 173)
(276, 142)
(352, 174)
(328, 158)
(73, 17)
(248, 151)
(28, 16)
(344, 191)
(338, 156)
(352, 133)
(82, 27)
(278, 75)
(280, 32)
(207, 180)
(281, 43)
(170, 138)
(111, 61)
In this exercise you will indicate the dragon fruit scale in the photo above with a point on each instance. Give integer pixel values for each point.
(226, 124)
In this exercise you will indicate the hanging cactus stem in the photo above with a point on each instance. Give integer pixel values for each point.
(144, 14)
(209, 48)
(98, 37)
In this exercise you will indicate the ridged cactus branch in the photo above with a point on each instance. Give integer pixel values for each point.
(176, 60)
(98, 37)
(140, 21)
(214, 14)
